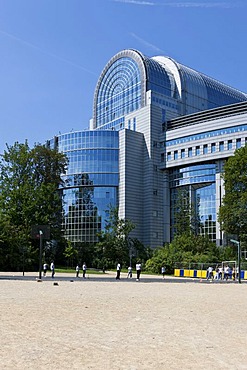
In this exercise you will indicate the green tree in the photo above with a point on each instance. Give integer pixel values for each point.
(233, 212)
(29, 195)
(184, 249)
(113, 245)
(70, 253)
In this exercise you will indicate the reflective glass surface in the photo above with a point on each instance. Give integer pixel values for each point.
(86, 211)
(203, 92)
(207, 134)
(90, 185)
(160, 80)
(199, 185)
(119, 92)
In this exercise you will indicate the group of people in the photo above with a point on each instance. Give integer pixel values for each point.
(84, 270)
(52, 268)
(222, 273)
(129, 275)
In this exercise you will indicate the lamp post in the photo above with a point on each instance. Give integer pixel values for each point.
(239, 258)
(40, 232)
(40, 252)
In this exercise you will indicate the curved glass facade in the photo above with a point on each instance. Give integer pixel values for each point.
(120, 89)
(197, 185)
(127, 77)
(160, 80)
(91, 182)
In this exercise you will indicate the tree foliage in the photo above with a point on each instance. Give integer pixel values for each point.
(186, 215)
(233, 212)
(113, 245)
(29, 182)
(185, 248)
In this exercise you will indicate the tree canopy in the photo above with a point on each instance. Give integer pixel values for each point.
(233, 212)
(29, 195)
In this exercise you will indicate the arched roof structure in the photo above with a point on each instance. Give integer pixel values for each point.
(123, 83)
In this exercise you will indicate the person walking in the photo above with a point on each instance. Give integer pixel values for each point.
(209, 272)
(84, 270)
(77, 270)
(45, 267)
(52, 267)
(163, 270)
(226, 272)
(138, 270)
(129, 276)
(118, 271)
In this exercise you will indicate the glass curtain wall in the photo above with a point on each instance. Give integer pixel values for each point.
(91, 182)
(193, 200)
(119, 92)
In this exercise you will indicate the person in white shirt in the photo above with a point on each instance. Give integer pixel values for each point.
(77, 270)
(52, 267)
(209, 272)
(84, 270)
(118, 271)
(220, 272)
(129, 272)
(163, 270)
(45, 267)
(138, 271)
(226, 272)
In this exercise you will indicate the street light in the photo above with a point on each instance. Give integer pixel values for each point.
(40, 252)
(239, 258)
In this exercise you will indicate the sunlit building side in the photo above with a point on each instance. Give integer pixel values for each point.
(158, 128)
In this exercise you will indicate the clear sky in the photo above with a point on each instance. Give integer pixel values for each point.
(53, 51)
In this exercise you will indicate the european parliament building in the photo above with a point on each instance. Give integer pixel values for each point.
(158, 128)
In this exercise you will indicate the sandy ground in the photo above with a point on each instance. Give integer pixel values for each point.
(122, 325)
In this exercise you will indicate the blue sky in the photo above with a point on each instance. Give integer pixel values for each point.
(53, 51)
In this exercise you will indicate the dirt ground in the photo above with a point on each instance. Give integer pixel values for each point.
(113, 325)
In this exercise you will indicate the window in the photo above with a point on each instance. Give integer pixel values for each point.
(221, 147)
(213, 147)
(205, 149)
(197, 150)
(229, 145)
(169, 156)
(155, 192)
(175, 154)
(134, 124)
(182, 153)
(238, 143)
(190, 152)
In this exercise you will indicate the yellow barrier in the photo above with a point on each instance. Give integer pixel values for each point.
(202, 274)
(187, 273)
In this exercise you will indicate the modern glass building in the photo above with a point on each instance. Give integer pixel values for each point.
(159, 129)
(91, 182)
